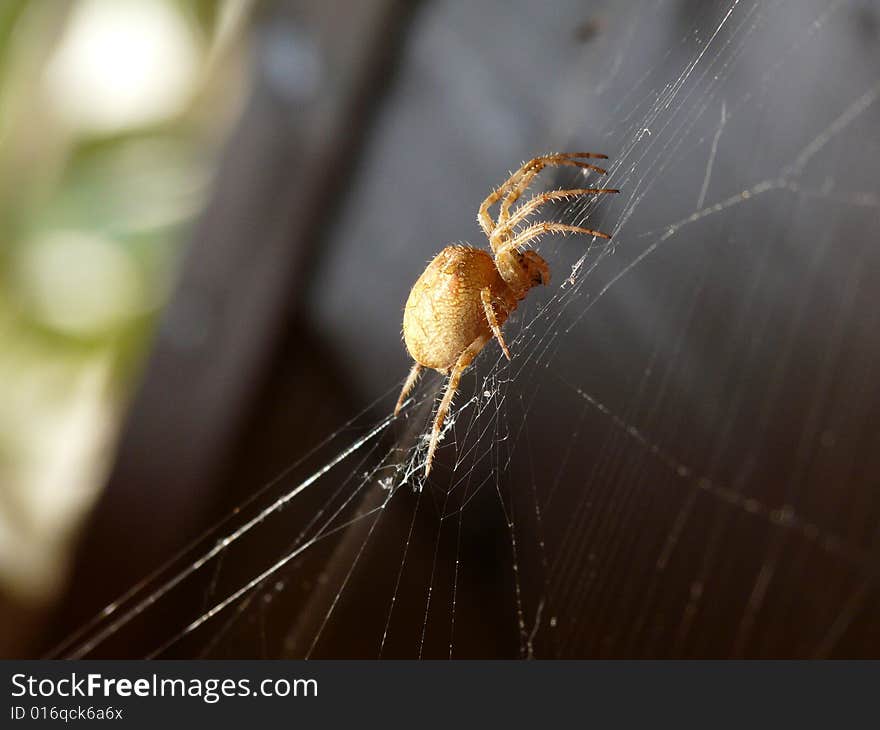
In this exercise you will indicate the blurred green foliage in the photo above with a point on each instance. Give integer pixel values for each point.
(105, 161)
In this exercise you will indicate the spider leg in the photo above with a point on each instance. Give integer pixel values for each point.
(539, 229)
(594, 155)
(483, 217)
(486, 296)
(535, 202)
(538, 164)
(465, 359)
(408, 386)
(485, 220)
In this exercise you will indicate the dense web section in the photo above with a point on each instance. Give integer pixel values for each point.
(713, 440)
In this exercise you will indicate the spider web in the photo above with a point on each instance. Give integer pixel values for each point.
(680, 459)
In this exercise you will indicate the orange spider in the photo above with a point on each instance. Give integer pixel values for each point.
(465, 295)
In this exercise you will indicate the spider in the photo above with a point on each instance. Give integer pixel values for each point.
(465, 295)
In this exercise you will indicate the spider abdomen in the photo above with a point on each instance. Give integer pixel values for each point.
(444, 313)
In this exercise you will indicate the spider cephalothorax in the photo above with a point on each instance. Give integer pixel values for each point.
(465, 295)
(522, 270)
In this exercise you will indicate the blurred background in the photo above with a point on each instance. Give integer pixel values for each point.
(112, 117)
(212, 213)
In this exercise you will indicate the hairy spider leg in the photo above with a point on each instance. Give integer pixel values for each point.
(485, 220)
(465, 359)
(538, 164)
(408, 386)
(535, 202)
(533, 167)
(522, 178)
(486, 296)
(539, 229)
(483, 217)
